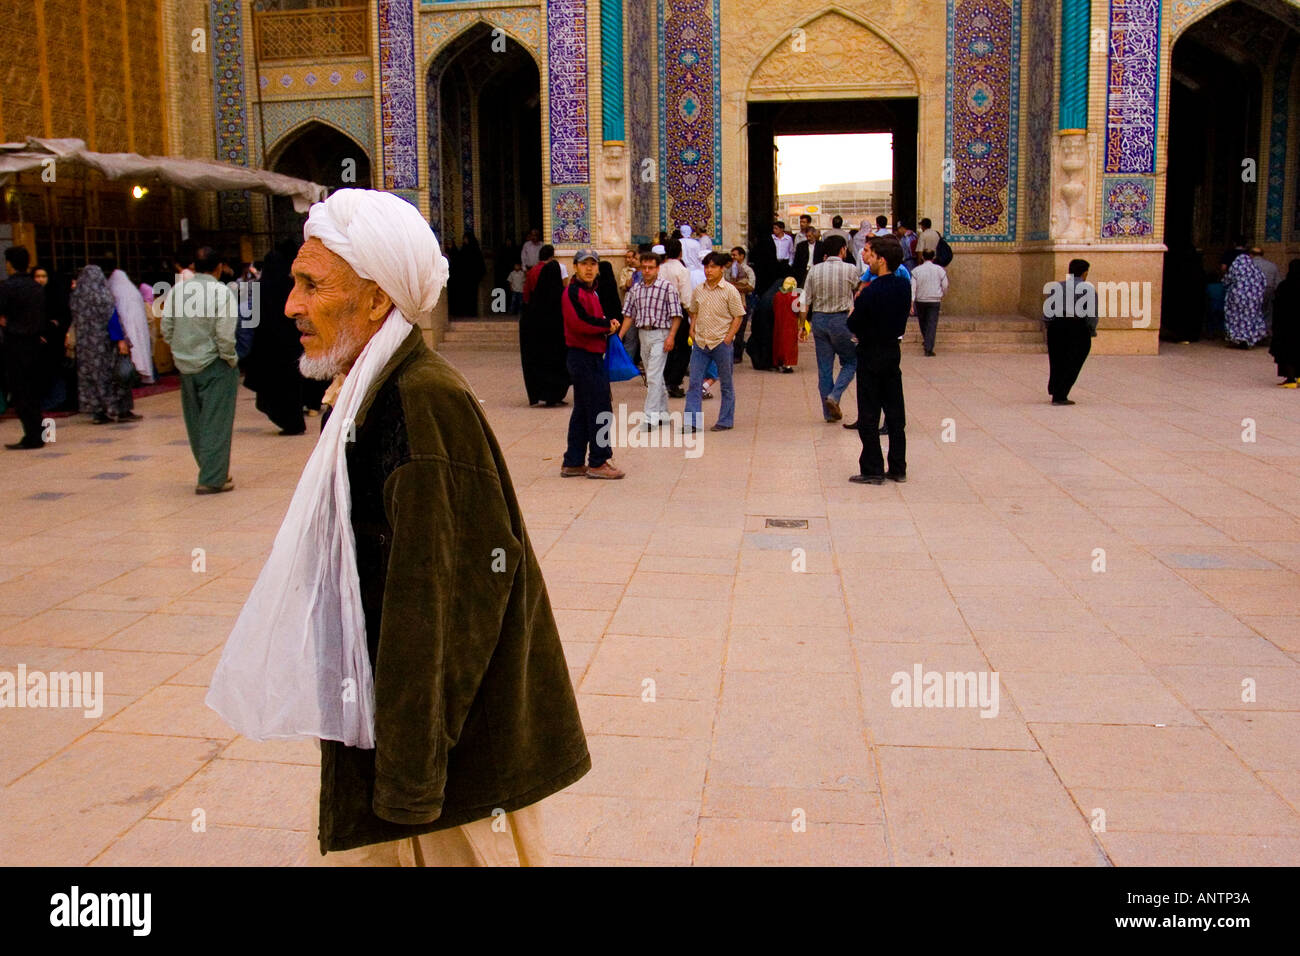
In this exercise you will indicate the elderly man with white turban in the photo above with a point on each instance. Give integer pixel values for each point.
(402, 618)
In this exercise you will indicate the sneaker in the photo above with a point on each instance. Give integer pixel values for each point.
(215, 489)
(832, 409)
(867, 479)
(575, 471)
(606, 470)
(706, 394)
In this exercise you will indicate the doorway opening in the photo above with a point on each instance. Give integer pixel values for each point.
(849, 175)
(844, 129)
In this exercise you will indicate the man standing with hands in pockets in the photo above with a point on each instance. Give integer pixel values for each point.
(716, 314)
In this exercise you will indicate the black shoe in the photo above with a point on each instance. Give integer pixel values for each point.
(130, 417)
(295, 431)
(721, 428)
(556, 404)
(100, 419)
(851, 425)
(900, 477)
(25, 445)
(787, 369)
(930, 352)
(883, 430)
(1062, 401)
(678, 392)
(867, 479)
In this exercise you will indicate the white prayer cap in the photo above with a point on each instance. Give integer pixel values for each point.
(385, 239)
(686, 231)
(658, 250)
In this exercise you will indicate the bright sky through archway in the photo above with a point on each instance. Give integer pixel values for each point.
(806, 163)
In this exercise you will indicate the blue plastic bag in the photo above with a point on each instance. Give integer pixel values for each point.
(617, 362)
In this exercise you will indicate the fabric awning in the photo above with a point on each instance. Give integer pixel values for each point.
(174, 170)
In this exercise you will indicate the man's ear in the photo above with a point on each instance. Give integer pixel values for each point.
(380, 303)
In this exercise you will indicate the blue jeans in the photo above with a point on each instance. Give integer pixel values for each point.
(700, 358)
(832, 337)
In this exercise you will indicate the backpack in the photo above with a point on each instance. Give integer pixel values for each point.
(942, 252)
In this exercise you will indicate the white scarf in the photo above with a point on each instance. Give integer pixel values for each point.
(296, 663)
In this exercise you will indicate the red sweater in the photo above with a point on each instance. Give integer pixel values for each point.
(579, 334)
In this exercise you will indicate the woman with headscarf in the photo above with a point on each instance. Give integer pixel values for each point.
(1285, 347)
(473, 267)
(99, 391)
(1243, 305)
(542, 351)
(271, 366)
(761, 324)
(785, 327)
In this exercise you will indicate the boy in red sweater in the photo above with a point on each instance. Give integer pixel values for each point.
(586, 332)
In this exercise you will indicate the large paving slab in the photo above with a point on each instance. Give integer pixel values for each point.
(1123, 576)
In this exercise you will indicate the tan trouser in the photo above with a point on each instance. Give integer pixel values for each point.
(510, 839)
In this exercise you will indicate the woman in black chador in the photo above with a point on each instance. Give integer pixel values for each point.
(541, 340)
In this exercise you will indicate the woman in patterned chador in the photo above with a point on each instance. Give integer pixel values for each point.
(1243, 306)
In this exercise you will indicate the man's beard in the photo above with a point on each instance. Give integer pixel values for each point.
(333, 363)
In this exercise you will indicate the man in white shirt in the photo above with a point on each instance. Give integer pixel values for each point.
(530, 253)
(882, 227)
(675, 272)
(784, 243)
(928, 238)
(929, 285)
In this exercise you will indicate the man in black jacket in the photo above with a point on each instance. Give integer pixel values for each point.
(879, 320)
(22, 313)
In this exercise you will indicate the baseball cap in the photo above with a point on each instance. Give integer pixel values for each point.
(584, 254)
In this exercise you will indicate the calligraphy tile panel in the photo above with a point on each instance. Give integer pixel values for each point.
(397, 94)
(1132, 86)
(689, 130)
(566, 60)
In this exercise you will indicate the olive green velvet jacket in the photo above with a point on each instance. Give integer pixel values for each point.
(474, 709)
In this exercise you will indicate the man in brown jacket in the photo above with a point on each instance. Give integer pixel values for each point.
(474, 716)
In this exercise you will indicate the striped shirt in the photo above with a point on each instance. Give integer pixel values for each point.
(830, 287)
(653, 306)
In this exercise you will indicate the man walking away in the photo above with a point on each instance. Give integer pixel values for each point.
(26, 331)
(927, 239)
(929, 285)
(654, 310)
(672, 270)
(879, 320)
(827, 299)
(586, 331)
(1070, 312)
(716, 313)
(199, 321)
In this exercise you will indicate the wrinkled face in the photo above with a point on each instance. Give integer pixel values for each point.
(41, 276)
(712, 271)
(587, 270)
(336, 311)
(649, 270)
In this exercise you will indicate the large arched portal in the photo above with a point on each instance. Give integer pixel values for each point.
(1231, 76)
(485, 158)
(322, 154)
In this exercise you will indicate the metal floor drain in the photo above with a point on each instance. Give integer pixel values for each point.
(799, 523)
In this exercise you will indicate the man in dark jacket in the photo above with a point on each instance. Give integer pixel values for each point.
(474, 715)
(879, 320)
(26, 330)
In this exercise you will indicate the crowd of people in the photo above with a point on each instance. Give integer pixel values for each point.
(688, 314)
(82, 343)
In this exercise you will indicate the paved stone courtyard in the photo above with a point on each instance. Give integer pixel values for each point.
(1147, 713)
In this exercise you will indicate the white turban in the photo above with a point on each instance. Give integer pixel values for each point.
(385, 239)
(686, 232)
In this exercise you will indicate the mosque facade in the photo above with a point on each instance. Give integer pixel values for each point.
(1030, 131)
